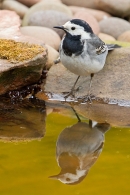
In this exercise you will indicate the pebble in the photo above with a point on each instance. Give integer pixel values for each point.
(42, 6)
(5, 17)
(83, 3)
(10, 30)
(46, 35)
(30, 3)
(124, 36)
(52, 56)
(90, 19)
(114, 26)
(119, 8)
(106, 37)
(19, 8)
(44, 18)
(99, 15)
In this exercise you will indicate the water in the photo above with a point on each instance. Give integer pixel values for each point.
(30, 137)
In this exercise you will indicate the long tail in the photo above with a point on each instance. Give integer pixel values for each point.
(112, 46)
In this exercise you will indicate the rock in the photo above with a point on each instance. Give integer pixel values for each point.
(44, 18)
(124, 36)
(89, 19)
(53, 1)
(106, 37)
(113, 82)
(51, 57)
(83, 3)
(19, 8)
(21, 63)
(114, 26)
(5, 16)
(30, 3)
(0, 5)
(46, 35)
(42, 6)
(119, 8)
(99, 15)
(9, 30)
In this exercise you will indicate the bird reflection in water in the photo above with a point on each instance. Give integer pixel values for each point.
(77, 149)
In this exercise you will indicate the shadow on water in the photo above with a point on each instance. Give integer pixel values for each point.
(78, 146)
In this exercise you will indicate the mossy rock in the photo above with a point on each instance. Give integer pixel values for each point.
(21, 64)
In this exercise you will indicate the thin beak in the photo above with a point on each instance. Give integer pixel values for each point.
(53, 177)
(59, 27)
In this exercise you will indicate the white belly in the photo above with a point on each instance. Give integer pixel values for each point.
(83, 65)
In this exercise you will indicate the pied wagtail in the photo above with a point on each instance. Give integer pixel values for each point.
(81, 51)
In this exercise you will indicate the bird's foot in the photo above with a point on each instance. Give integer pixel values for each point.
(88, 98)
(71, 93)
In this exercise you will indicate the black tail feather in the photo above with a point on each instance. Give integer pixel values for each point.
(112, 46)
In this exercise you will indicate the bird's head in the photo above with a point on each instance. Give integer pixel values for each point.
(70, 178)
(77, 27)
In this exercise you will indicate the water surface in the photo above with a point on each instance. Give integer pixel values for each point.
(28, 151)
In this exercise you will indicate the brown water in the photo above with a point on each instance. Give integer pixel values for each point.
(30, 137)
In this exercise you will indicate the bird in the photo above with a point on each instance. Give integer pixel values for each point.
(77, 149)
(81, 51)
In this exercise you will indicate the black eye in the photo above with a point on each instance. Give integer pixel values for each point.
(72, 28)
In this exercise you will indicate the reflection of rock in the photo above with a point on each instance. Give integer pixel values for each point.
(113, 114)
(23, 122)
(77, 149)
(111, 82)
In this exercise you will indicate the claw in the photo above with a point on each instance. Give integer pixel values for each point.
(71, 93)
(88, 98)
(57, 61)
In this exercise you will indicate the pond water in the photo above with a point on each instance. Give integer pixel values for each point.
(89, 143)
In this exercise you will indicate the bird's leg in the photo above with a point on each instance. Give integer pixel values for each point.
(90, 85)
(73, 88)
(88, 96)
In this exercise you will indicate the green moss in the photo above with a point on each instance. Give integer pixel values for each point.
(17, 52)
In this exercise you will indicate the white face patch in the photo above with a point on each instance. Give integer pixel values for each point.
(71, 178)
(75, 29)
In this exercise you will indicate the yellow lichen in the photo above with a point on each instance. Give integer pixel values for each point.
(17, 51)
